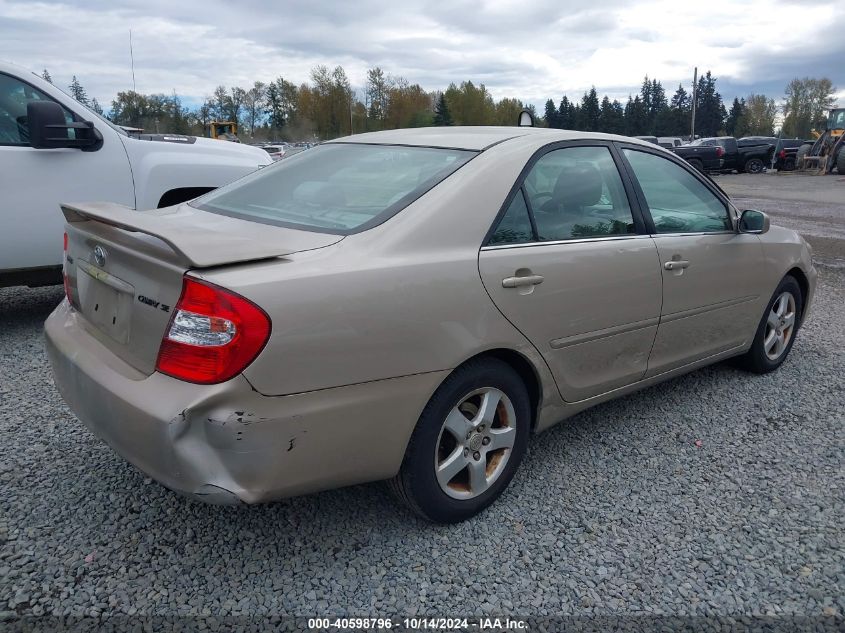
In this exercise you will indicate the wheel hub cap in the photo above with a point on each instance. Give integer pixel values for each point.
(475, 441)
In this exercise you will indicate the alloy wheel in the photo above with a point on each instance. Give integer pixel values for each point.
(780, 326)
(475, 443)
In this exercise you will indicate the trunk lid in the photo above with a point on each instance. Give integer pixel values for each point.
(124, 268)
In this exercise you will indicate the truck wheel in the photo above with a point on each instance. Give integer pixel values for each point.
(802, 152)
(695, 162)
(789, 164)
(840, 162)
(754, 166)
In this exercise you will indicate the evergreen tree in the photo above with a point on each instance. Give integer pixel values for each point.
(679, 113)
(95, 106)
(551, 115)
(657, 106)
(442, 116)
(612, 117)
(566, 114)
(46, 76)
(710, 113)
(735, 116)
(78, 92)
(590, 111)
(636, 117)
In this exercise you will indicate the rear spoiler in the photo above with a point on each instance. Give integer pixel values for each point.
(199, 239)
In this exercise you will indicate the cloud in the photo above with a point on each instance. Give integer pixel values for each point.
(531, 51)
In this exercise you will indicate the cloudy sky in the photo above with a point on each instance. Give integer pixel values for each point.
(528, 50)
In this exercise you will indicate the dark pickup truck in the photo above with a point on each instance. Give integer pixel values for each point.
(750, 156)
(786, 149)
(702, 157)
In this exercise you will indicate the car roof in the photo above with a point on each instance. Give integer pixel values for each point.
(476, 138)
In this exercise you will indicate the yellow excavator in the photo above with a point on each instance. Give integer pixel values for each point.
(223, 130)
(828, 152)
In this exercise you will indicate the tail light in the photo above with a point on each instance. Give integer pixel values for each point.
(213, 335)
(782, 154)
(720, 151)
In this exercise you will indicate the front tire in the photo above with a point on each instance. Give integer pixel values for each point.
(803, 151)
(778, 327)
(467, 444)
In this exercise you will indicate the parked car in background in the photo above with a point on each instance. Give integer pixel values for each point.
(753, 156)
(670, 141)
(702, 157)
(276, 151)
(409, 305)
(54, 150)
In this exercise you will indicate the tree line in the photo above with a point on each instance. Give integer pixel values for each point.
(327, 107)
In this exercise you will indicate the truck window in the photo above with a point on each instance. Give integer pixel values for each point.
(14, 95)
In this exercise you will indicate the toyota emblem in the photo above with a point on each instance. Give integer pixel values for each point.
(99, 256)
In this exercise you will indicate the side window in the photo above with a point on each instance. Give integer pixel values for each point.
(14, 95)
(577, 192)
(677, 200)
(515, 225)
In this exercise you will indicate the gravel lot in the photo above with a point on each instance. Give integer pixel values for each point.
(616, 512)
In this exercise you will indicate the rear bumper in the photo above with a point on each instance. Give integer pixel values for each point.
(226, 443)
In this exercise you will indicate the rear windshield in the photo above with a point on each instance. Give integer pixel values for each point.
(339, 188)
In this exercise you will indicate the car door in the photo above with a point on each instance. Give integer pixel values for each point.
(36, 181)
(569, 264)
(711, 285)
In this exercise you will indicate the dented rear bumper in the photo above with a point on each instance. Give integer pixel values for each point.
(227, 443)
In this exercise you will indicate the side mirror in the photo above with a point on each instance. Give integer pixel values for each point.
(48, 128)
(526, 119)
(752, 221)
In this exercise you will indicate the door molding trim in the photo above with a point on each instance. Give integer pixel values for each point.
(675, 316)
(586, 337)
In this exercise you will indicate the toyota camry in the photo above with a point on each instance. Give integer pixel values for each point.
(409, 306)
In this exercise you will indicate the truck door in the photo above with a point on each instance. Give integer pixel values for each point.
(35, 181)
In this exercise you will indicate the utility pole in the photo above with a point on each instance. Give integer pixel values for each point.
(694, 100)
(132, 61)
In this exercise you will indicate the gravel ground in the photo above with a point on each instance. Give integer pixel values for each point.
(619, 511)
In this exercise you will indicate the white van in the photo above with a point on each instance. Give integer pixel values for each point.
(54, 150)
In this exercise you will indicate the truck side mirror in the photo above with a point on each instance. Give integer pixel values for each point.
(48, 128)
(753, 221)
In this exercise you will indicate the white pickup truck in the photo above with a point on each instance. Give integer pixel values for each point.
(55, 150)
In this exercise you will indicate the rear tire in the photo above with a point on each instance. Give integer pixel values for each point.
(754, 166)
(840, 162)
(776, 332)
(467, 444)
(789, 164)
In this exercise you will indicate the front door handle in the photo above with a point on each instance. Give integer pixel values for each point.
(517, 282)
(676, 264)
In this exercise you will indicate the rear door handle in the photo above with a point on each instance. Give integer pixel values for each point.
(517, 282)
(676, 264)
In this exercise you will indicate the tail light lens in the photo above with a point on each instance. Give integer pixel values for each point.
(213, 335)
(720, 151)
(782, 154)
